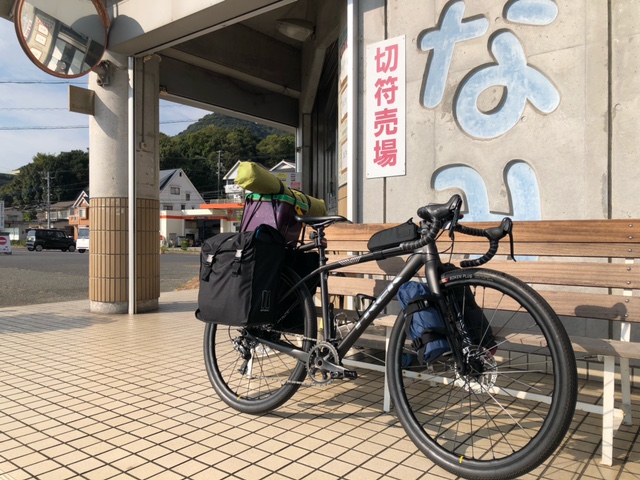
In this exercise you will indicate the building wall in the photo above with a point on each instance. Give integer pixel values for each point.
(557, 143)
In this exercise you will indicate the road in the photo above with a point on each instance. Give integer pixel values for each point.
(53, 276)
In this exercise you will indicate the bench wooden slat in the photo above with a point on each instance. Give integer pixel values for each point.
(522, 249)
(579, 274)
(586, 345)
(579, 250)
(571, 304)
(563, 231)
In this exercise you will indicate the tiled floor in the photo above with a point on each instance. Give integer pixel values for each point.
(93, 396)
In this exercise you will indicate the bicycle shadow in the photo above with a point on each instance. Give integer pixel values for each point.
(618, 311)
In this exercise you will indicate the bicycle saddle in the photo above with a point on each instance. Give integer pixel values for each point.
(320, 221)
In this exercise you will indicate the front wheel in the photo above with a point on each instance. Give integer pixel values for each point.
(250, 376)
(507, 408)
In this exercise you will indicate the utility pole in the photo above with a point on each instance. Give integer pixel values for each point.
(48, 200)
(219, 152)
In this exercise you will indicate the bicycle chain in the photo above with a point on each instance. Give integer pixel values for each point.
(312, 383)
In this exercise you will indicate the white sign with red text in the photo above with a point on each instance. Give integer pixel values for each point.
(385, 108)
(5, 242)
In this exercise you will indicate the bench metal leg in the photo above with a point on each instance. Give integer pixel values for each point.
(386, 401)
(625, 387)
(625, 376)
(608, 414)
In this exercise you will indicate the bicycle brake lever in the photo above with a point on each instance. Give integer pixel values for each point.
(454, 222)
(505, 228)
(511, 245)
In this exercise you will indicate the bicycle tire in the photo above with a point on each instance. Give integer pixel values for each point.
(474, 425)
(268, 378)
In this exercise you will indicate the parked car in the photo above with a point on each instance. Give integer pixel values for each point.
(49, 239)
(82, 243)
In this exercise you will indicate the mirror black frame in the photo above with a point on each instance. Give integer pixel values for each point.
(103, 15)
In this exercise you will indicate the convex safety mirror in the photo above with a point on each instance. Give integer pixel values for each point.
(65, 38)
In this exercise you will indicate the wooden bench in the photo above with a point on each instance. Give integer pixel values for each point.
(587, 270)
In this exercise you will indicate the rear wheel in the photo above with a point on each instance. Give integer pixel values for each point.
(250, 376)
(474, 421)
(72, 248)
(38, 248)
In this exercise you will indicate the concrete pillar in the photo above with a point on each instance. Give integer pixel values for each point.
(108, 189)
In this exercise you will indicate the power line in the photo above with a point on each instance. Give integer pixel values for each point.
(64, 108)
(40, 82)
(71, 127)
(33, 108)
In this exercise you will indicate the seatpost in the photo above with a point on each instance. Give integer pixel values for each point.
(318, 238)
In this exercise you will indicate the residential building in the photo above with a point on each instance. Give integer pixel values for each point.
(80, 212)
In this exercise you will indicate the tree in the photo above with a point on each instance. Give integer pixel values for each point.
(275, 148)
(68, 175)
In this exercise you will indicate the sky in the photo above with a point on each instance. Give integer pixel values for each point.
(34, 109)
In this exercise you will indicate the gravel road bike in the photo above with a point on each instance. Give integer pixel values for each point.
(483, 411)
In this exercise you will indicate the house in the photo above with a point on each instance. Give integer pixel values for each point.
(180, 215)
(80, 212)
(15, 224)
(57, 216)
(177, 192)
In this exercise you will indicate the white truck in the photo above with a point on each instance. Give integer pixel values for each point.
(82, 243)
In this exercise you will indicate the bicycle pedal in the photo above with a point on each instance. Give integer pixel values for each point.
(346, 375)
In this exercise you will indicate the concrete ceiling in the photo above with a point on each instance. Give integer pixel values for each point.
(234, 60)
(228, 55)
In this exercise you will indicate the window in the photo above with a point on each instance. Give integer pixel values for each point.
(183, 207)
(188, 196)
(167, 207)
(175, 191)
(82, 213)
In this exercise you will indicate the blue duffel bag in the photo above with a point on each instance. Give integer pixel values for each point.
(424, 325)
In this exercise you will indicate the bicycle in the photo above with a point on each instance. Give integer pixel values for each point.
(461, 410)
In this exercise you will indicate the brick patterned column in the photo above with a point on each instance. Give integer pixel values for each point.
(148, 260)
(108, 266)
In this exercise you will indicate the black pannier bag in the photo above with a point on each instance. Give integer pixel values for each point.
(394, 236)
(239, 277)
(302, 263)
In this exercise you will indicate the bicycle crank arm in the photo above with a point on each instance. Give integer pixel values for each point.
(337, 371)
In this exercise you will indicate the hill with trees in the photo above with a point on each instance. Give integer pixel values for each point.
(224, 121)
(206, 151)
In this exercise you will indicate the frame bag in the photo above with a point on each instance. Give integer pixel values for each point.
(394, 236)
(239, 277)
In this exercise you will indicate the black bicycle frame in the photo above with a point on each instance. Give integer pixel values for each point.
(427, 256)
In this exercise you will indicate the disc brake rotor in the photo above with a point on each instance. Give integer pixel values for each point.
(483, 374)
